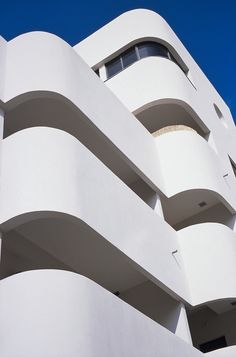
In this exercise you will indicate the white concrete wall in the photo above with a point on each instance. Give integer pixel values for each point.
(209, 254)
(60, 71)
(27, 75)
(57, 175)
(48, 173)
(40, 317)
(3, 52)
(159, 306)
(151, 76)
(146, 82)
(148, 195)
(187, 162)
(126, 29)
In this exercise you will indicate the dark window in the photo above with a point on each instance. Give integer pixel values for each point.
(213, 344)
(133, 54)
(113, 67)
(148, 49)
(129, 57)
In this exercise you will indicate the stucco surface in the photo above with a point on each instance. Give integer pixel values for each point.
(56, 313)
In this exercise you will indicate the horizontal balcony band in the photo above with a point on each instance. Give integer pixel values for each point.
(209, 254)
(52, 313)
(94, 51)
(100, 47)
(59, 181)
(150, 77)
(25, 81)
(144, 87)
(69, 79)
(188, 164)
(161, 150)
(58, 178)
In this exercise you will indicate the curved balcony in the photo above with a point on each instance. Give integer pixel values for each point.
(130, 31)
(192, 174)
(57, 90)
(188, 162)
(101, 46)
(159, 94)
(144, 87)
(57, 313)
(66, 201)
(209, 254)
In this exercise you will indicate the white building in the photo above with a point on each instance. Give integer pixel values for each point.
(117, 197)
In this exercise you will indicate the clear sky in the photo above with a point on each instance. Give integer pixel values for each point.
(206, 27)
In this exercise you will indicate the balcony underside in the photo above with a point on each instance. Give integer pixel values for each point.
(160, 115)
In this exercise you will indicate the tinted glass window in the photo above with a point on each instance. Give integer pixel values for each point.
(113, 67)
(129, 57)
(147, 49)
(133, 54)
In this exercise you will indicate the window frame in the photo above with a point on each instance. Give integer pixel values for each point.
(168, 56)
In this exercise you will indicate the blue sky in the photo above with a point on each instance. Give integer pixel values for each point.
(206, 27)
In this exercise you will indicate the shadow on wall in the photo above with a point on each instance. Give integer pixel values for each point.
(157, 116)
(155, 303)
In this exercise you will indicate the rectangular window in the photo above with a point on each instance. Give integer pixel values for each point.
(113, 67)
(147, 49)
(129, 57)
(137, 52)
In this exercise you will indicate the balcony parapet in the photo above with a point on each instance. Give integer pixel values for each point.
(61, 179)
(188, 163)
(58, 313)
(209, 254)
(61, 75)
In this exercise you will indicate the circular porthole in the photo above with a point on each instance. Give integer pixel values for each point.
(220, 115)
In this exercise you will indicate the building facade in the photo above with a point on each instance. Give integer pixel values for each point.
(117, 197)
